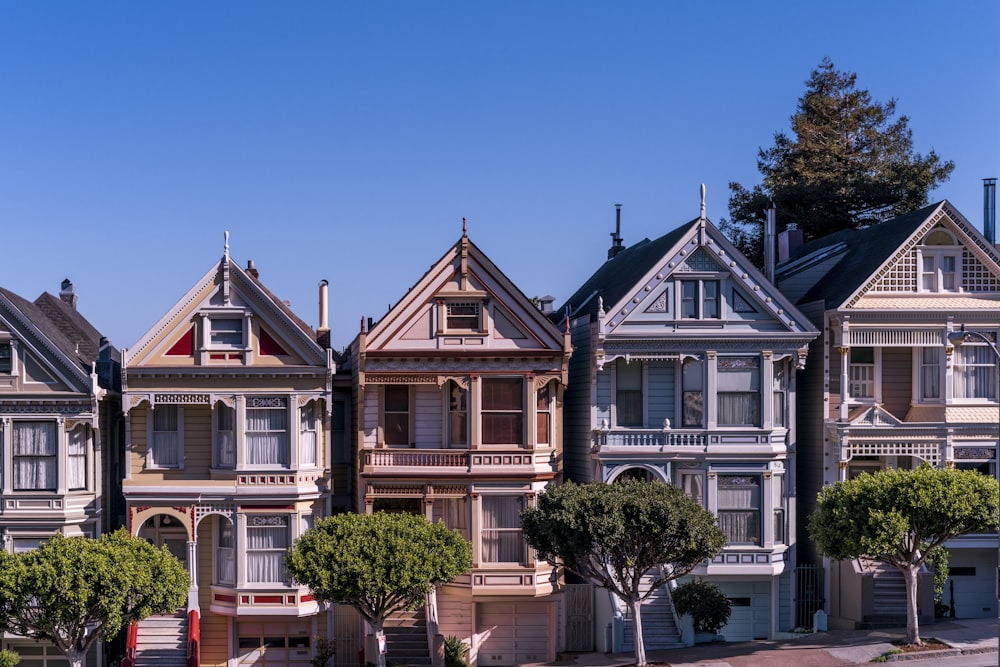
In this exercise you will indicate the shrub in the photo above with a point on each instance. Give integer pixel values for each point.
(706, 603)
(455, 652)
(9, 658)
(325, 653)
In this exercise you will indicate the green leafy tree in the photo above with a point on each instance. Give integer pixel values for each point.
(378, 563)
(708, 605)
(75, 591)
(849, 164)
(897, 517)
(613, 535)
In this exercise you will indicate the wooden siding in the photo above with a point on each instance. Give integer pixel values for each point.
(214, 627)
(833, 355)
(370, 417)
(427, 420)
(137, 447)
(604, 394)
(660, 378)
(897, 380)
(577, 411)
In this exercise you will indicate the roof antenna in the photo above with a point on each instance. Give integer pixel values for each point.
(702, 216)
(225, 248)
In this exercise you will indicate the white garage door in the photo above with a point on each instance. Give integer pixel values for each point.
(514, 633)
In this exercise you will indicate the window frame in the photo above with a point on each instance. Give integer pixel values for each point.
(731, 366)
(517, 412)
(7, 357)
(457, 422)
(491, 554)
(855, 373)
(310, 418)
(695, 302)
(53, 458)
(934, 279)
(254, 404)
(630, 408)
(79, 436)
(400, 417)
(987, 365)
(266, 521)
(722, 512)
(151, 431)
(225, 560)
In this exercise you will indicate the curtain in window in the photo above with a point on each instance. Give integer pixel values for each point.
(930, 373)
(628, 394)
(501, 535)
(225, 563)
(165, 436)
(975, 372)
(693, 485)
(267, 436)
(267, 544)
(739, 509)
(307, 435)
(225, 439)
(455, 514)
(35, 455)
(739, 392)
(76, 471)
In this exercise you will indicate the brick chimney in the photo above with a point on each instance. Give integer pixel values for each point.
(68, 294)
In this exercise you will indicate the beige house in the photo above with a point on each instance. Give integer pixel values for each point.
(459, 418)
(228, 401)
(888, 384)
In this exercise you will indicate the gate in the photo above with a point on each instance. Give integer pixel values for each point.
(808, 594)
(579, 617)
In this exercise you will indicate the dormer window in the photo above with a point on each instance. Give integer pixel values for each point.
(224, 336)
(940, 263)
(463, 316)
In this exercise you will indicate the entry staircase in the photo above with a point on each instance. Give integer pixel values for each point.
(659, 621)
(406, 638)
(162, 641)
(888, 599)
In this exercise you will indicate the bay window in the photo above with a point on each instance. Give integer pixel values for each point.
(738, 391)
(975, 371)
(502, 536)
(930, 373)
(503, 411)
(779, 394)
(35, 449)
(225, 561)
(308, 434)
(268, 540)
(266, 432)
(739, 508)
(76, 463)
(225, 438)
(543, 415)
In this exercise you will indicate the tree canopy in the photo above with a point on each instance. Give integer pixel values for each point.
(849, 164)
(74, 591)
(613, 535)
(378, 563)
(897, 517)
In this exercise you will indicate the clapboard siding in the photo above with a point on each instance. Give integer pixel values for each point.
(427, 405)
(214, 628)
(897, 379)
(660, 383)
(370, 417)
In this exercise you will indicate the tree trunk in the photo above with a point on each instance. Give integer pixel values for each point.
(374, 653)
(635, 605)
(75, 657)
(912, 619)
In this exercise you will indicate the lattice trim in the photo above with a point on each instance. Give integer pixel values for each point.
(698, 262)
(925, 451)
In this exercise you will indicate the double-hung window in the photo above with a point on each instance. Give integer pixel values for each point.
(225, 561)
(543, 415)
(862, 373)
(266, 432)
(739, 508)
(226, 333)
(779, 394)
(308, 434)
(692, 395)
(930, 373)
(166, 442)
(76, 464)
(396, 415)
(463, 316)
(502, 536)
(225, 437)
(35, 449)
(975, 371)
(458, 416)
(6, 357)
(628, 393)
(503, 411)
(268, 540)
(700, 299)
(738, 391)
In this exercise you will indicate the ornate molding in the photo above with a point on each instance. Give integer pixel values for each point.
(181, 399)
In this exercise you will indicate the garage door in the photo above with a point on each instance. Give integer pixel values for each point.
(750, 616)
(514, 633)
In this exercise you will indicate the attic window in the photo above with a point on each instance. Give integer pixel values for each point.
(6, 358)
(226, 333)
(463, 316)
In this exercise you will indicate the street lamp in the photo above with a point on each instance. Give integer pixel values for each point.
(956, 338)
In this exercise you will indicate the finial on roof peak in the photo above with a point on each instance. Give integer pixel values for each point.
(702, 216)
(464, 228)
(225, 247)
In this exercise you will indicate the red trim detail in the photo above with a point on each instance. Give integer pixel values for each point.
(216, 356)
(269, 346)
(131, 641)
(225, 598)
(183, 347)
(268, 599)
(194, 639)
(307, 598)
(244, 599)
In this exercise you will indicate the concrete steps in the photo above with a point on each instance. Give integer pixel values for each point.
(162, 641)
(406, 639)
(659, 627)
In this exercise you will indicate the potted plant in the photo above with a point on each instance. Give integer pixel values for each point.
(708, 607)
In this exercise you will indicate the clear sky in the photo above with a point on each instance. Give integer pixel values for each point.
(346, 141)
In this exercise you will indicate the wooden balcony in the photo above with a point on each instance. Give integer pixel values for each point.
(639, 442)
(450, 462)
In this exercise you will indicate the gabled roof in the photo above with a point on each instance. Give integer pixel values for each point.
(620, 274)
(226, 277)
(58, 332)
(862, 251)
(464, 269)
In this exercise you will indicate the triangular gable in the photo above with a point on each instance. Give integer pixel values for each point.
(465, 302)
(874, 416)
(900, 273)
(703, 252)
(223, 314)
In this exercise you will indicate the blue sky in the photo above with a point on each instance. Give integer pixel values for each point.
(346, 141)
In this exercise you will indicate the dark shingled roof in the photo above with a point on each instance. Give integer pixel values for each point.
(613, 280)
(866, 250)
(63, 326)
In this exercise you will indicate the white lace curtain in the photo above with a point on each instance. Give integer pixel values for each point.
(975, 372)
(76, 469)
(225, 440)
(739, 509)
(502, 540)
(267, 543)
(225, 563)
(165, 435)
(267, 436)
(35, 448)
(307, 434)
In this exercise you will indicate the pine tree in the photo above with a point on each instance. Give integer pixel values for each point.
(849, 164)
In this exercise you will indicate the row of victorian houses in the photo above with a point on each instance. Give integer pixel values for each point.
(231, 426)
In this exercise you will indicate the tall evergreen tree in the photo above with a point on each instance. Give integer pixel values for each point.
(849, 164)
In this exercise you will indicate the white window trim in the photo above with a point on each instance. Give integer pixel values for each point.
(61, 456)
(937, 253)
(150, 435)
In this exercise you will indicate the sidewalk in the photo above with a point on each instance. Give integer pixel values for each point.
(824, 649)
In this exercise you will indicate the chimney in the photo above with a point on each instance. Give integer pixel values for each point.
(616, 236)
(545, 304)
(789, 241)
(252, 270)
(990, 210)
(769, 226)
(68, 294)
(323, 331)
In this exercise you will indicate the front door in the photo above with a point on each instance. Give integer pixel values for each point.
(164, 530)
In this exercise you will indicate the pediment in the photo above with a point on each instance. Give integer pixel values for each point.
(874, 416)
